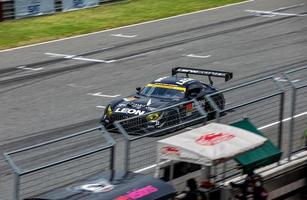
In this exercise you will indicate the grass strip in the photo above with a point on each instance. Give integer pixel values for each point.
(21, 32)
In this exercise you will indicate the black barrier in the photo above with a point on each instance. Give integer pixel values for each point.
(1, 12)
(7, 7)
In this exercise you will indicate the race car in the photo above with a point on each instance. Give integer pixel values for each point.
(162, 93)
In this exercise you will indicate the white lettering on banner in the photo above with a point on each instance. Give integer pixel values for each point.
(77, 4)
(130, 111)
(27, 8)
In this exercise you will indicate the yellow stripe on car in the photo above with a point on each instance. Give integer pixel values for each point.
(167, 86)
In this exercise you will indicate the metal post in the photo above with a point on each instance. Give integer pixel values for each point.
(201, 110)
(112, 160)
(224, 172)
(127, 146)
(281, 114)
(291, 125)
(127, 157)
(16, 188)
(171, 172)
(217, 116)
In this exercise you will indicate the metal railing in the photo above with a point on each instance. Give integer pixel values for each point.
(298, 110)
(264, 108)
(55, 163)
(136, 143)
(140, 138)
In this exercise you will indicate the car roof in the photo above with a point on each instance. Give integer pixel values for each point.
(175, 80)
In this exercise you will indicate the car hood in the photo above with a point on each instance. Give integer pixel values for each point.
(139, 105)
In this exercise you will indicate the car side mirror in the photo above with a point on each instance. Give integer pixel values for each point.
(138, 90)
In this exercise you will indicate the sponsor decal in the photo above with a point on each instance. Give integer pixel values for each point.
(101, 186)
(213, 73)
(184, 81)
(167, 86)
(137, 105)
(129, 98)
(170, 150)
(138, 193)
(210, 139)
(130, 111)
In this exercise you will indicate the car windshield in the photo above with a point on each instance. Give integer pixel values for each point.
(163, 91)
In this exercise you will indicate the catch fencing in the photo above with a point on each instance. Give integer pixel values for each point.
(140, 137)
(9, 9)
(264, 108)
(49, 165)
(268, 107)
(298, 110)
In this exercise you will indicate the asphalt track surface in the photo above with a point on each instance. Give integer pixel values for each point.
(44, 95)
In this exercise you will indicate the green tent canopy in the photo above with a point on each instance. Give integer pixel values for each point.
(264, 155)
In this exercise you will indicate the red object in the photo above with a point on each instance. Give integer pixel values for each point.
(189, 107)
(210, 139)
(170, 150)
(1, 11)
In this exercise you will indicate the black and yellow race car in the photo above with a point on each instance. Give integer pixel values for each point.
(162, 93)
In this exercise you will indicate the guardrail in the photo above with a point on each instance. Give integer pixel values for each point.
(298, 105)
(264, 108)
(136, 147)
(140, 137)
(50, 166)
(8, 9)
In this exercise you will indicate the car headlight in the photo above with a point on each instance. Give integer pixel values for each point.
(153, 116)
(109, 111)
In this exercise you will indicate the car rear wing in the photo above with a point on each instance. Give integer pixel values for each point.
(202, 72)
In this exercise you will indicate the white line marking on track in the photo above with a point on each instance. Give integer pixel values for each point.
(272, 14)
(60, 55)
(101, 107)
(149, 22)
(98, 94)
(149, 167)
(29, 68)
(92, 60)
(197, 56)
(124, 36)
(74, 57)
(284, 120)
(284, 80)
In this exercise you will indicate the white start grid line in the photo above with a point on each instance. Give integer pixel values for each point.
(75, 57)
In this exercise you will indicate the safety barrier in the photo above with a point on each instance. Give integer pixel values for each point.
(264, 108)
(298, 112)
(267, 108)
(61, 161)
(140, 134)
(1, 11)
(8, 8)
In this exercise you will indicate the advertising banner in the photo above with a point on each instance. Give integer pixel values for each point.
(68, 5)
(1, 11)
(27, 8)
